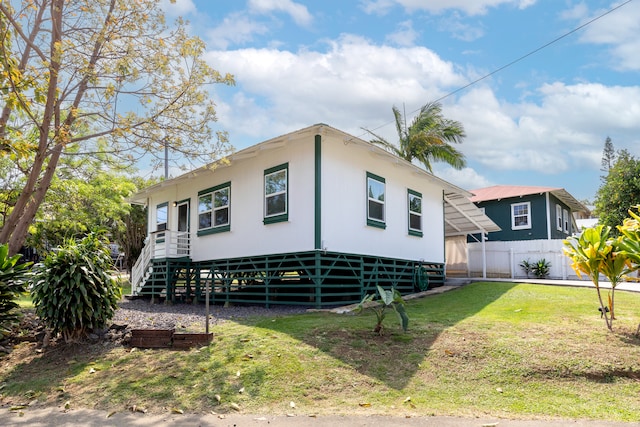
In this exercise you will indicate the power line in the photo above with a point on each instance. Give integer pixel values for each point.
(520, 58)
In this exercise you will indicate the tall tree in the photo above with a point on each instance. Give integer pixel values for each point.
(608, 157)
(95, 76)
(427, 139)
(619, 191)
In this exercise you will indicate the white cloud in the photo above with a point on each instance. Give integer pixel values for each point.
(460, 30)
(352, 85)
(618, 29)
(177, 7)
(377, 7)
(470, 7)
(235, 29)
(466, 178)
(298, 12)
(565, 131)
(405, 35)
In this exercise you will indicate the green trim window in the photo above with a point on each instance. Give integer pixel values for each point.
(162, 216)
(276, 194)
(414, 200)
(521, 216)
(375, 200)
(214, 209)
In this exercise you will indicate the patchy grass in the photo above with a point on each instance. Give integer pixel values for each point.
(500, 349)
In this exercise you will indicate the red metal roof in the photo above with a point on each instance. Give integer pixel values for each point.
(498, 192)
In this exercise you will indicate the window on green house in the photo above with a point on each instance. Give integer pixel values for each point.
(213, 208)
(375, 200)
(162, 214)
(565, 217)
(521, 216)
(276, 183)
(415, 213)
(559, 217)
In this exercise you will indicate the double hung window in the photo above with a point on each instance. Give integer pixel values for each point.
(415, 213)
(214, 209)
(520, 216)
(276, 185)
(375, 201)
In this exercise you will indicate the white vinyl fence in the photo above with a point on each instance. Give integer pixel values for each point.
(503, 259)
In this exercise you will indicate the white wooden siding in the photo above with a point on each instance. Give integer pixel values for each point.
(344, 202)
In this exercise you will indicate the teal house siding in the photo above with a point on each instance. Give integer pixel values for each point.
(541, 215)
(500, 212)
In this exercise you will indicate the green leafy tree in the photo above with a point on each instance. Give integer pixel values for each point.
(428, 138)
(389, 299)
(595, 253)
(73, 290)
(619, 191)
(75, 206)
(12, 275)
(95, 76)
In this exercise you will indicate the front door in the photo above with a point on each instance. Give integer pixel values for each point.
(183, 228)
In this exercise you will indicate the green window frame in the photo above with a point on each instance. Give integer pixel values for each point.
(376, 189)
(414, 206)
(214, 209)
(276, 194)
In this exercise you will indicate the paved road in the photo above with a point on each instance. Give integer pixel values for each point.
(42, 417)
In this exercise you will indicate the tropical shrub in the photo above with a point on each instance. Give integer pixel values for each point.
(527, 266)
(389, 299)
(12, 285)
(595, 253)
(541, 268)
(73, 290)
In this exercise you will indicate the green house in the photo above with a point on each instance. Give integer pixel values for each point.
(527, 212)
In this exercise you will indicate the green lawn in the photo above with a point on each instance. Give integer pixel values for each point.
(499, 349)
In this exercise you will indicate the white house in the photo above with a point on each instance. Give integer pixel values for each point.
(314, 217)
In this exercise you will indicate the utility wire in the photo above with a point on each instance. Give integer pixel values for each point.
(519, 59)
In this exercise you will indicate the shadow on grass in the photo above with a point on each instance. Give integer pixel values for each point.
(394, 357)
(391, 359)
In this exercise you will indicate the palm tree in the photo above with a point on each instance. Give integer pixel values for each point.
(427, 139)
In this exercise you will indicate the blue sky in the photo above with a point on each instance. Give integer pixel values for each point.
(541, 121)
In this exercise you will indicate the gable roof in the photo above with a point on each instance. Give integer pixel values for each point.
(461, 215)
(499, 192)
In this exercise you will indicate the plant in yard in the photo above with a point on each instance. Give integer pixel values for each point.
(594, 253)
(389, 299)
(541, 268)
(527, 266)
(629, 241)
(73, 290)
(11, 284)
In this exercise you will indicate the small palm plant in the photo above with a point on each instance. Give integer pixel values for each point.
(389, 299)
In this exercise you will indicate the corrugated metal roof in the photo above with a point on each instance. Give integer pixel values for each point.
(499, 192)
(462, 217)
